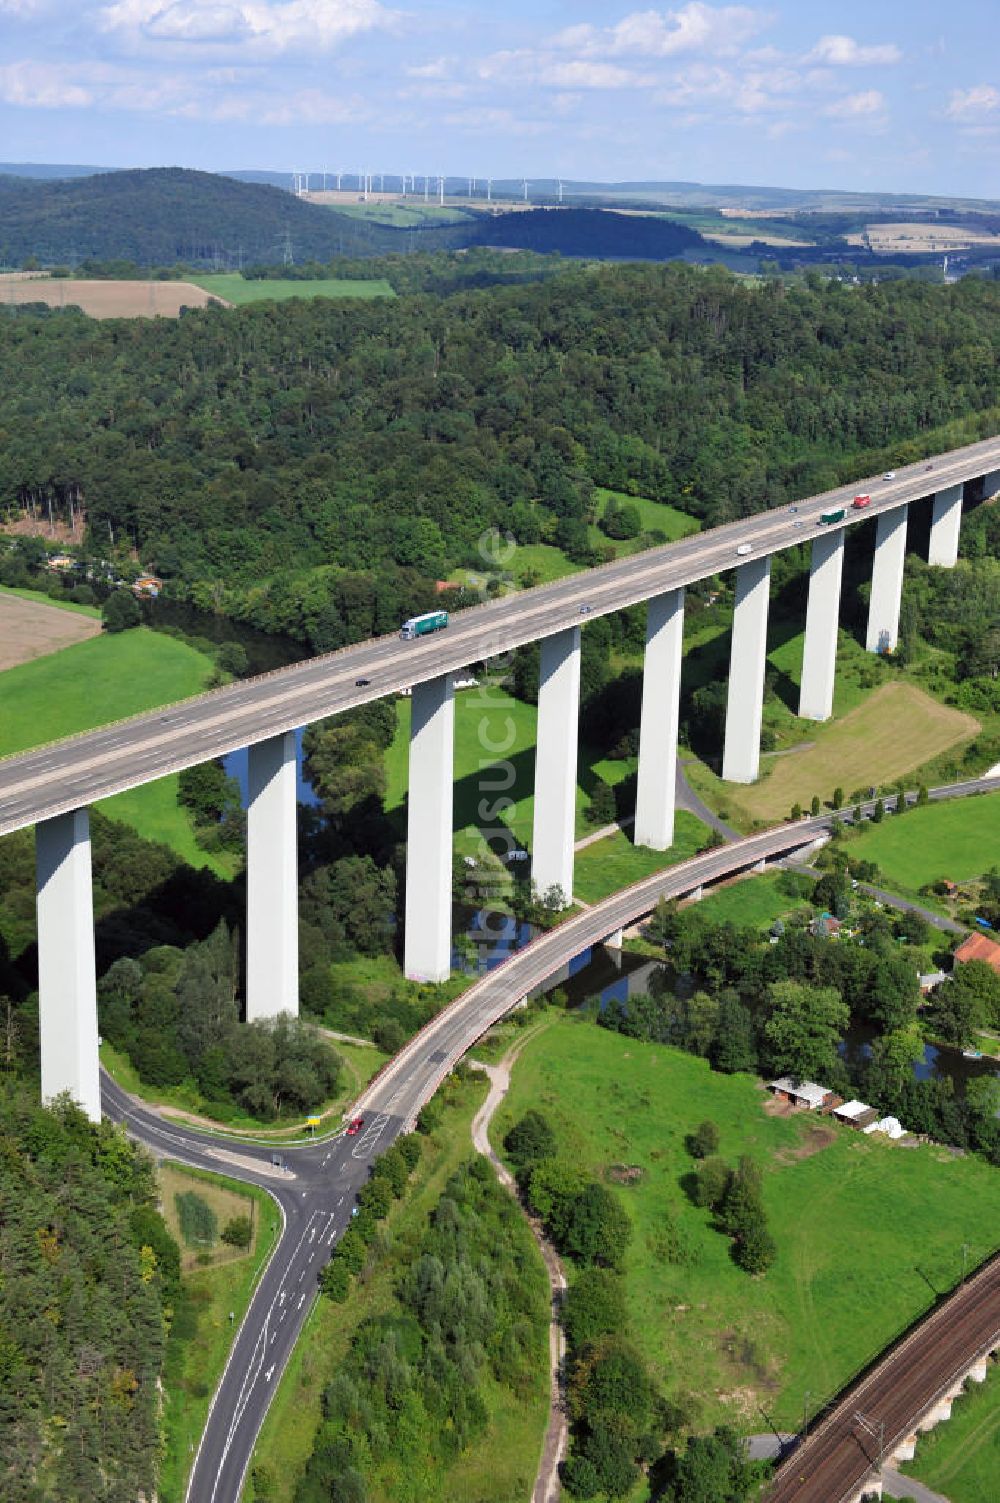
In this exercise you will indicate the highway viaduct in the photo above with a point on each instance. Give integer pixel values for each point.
(52, 787)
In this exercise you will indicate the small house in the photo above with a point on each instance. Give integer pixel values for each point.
(802, 1093)
(856, 1114)
(979, 947)
(825, 926)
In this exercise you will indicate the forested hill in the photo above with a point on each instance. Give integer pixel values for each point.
(169, 214)
(239, 447)
(590, 232)
(88, 1267)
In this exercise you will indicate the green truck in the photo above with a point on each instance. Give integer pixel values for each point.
(419, 626)
(829, 517)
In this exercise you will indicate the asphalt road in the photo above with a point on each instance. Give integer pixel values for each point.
(317, 1194)
(69, 774)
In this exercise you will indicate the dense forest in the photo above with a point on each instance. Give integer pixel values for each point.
(89, 1273)
(167, 214)
(586, 232)
(239, 448)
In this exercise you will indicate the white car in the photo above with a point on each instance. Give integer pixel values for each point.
(744, 549)
(889, 475)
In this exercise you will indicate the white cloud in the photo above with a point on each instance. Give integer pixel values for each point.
(863, 106)
(527, 67)
(844, 52)
(265, 27)
(970, 105)
(695, 27)
(44, 86)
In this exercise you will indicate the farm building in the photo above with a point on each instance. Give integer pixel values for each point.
(978, 947)
(825, 926)
(856, 1114)
(803, 1093)
(147, 584)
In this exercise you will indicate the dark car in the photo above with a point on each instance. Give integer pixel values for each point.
(355, 1126)
(362, 683)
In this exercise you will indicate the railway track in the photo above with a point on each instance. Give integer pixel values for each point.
(849, 1445)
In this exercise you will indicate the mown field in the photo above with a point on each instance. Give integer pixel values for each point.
(234, 289)
(108, 299)
(31, 627)
(958, 840)
(961, 1458)
(500, 1466)
(864, 1229)
(104, 679)
(894, 730)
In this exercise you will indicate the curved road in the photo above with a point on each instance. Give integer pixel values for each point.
(317, 1193)
(70, 774)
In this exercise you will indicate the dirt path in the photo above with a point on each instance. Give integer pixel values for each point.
(547, 1488)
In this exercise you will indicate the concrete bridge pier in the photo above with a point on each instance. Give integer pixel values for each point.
(67, 975)
(272, 976)
(946, 523)
(748, 655)
(887, 580)
(819, 655)
(427, 938)
(661, 688)
(555, 763)
(991, 485)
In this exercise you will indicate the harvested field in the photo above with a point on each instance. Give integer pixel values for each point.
(108, 299)
(897, 728)
(31, 629)
(922, 237)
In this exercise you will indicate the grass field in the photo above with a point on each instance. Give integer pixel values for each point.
(612, 863)
(401, 216)
(958, 840)
(31, 627)
(108, 678)
(500, 1466)
(235, 289)
(192, 1368)
(491, 717)
(961, 1458)
(752, 902)
(894, 729)
(59, 605)
(864, 1230)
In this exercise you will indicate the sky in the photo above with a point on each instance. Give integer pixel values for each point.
(898, 95)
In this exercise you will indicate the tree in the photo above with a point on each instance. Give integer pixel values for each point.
(923, 796)
(601, 808)
(796, 811)
(803, 1029)
(878, 813)
(712, 1469)
(596, 1228)
(711, 1183)
(530, 1139)
(980, 984)
(815, 805)
(703, 1141)
(733, 1047)
(121, 611)
(755, 1250)
(593, 1306)
(237, 1231)
(838, 798)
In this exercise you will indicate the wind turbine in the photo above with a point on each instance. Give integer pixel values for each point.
(440, 189)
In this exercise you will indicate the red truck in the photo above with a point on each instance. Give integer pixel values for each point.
(860, 501)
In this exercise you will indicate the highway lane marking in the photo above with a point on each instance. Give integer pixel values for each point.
(559, 596)
(254, 1367)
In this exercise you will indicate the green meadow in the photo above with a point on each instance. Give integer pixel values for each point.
(866, 1231)
(235, 289)
(104, 679)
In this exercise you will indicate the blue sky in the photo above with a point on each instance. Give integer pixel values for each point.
(889, 94)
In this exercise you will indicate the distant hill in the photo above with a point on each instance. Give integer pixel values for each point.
(168, 214)
(590, 232)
